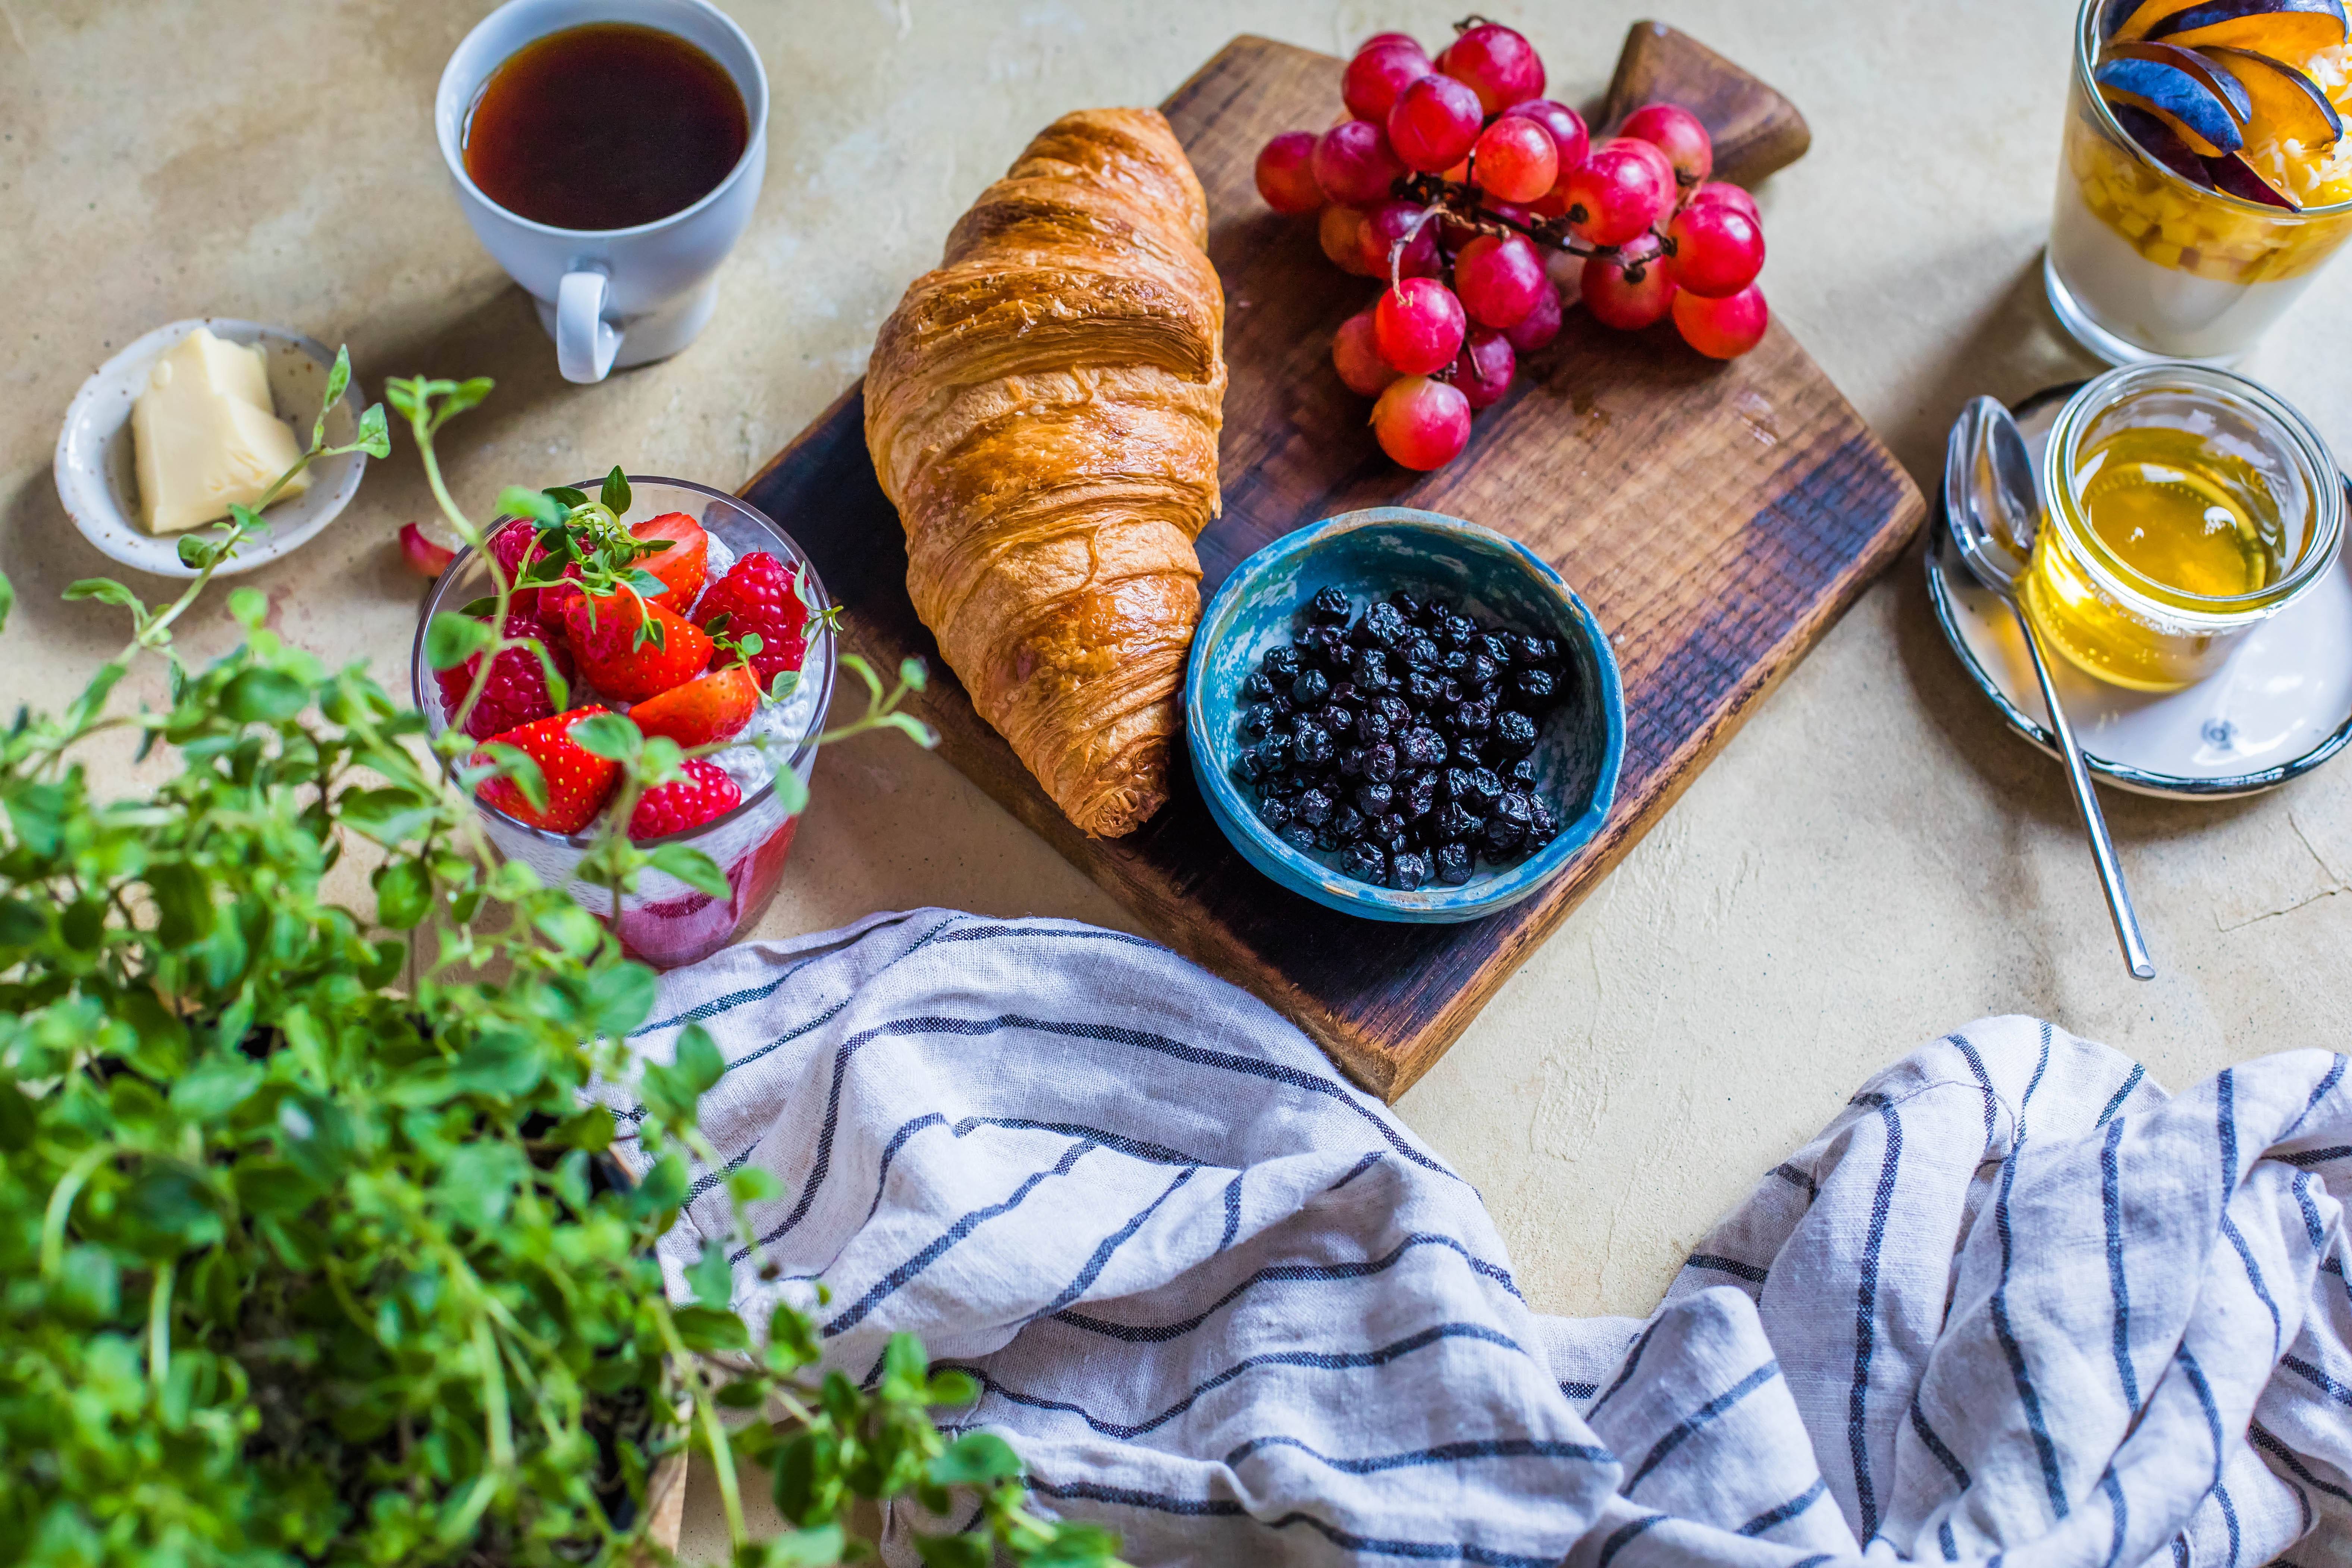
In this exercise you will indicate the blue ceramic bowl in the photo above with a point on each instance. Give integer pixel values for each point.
(1370, 554)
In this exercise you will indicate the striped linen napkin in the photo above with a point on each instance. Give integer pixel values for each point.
(2013, 1306)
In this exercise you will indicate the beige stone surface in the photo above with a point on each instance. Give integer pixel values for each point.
(1874, 860)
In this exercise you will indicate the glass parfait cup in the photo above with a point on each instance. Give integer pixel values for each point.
(2143, 264)
(2117, 623)
(664, 922)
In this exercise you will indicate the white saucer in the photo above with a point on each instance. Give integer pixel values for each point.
(93, 467)
(2279, 708)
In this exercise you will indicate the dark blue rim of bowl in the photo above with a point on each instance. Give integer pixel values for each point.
(1502, 889)
(1937, 562)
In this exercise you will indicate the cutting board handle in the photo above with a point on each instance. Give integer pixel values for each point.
(1755, 130)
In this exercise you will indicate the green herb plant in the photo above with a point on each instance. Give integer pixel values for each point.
(311, 1250)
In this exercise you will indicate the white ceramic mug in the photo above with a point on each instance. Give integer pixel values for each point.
(620, 296)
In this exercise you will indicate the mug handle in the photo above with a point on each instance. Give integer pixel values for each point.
(584, 341)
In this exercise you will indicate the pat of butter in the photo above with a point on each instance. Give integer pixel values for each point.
(205, 436)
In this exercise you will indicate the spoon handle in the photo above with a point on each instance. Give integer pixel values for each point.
(2086, 802)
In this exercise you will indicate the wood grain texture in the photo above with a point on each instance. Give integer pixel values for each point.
(1717, 518)
(1755, 130)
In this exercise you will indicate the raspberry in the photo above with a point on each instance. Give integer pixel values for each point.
(706, 792)
(759, 594)
(507, 546)
(516, 691)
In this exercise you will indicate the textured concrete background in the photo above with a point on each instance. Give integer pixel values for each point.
(1873, 861)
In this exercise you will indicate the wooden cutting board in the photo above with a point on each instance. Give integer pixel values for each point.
(1717, 518)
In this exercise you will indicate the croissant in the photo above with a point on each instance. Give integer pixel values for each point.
(1043, 410)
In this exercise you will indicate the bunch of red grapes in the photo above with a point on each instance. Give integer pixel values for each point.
(1451, 179)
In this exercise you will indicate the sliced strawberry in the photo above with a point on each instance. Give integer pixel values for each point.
(705, 710)
(604, 635)
(684, 565)
(517, 692)
(429, 559)
(760, 594)
(706, 792)
(578, 782)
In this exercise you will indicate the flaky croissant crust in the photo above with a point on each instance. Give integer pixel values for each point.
(1043, 411)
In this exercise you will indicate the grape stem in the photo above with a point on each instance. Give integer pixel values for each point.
(1465, 205)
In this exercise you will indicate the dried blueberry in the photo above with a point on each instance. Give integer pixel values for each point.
(1255, 687)
(1515, 734)
(1312, 807)
(1455, 631)
(1246, 766)
(1508, 823)
(1372, 724)
(1419, 795)
(1535, 685)
(1422, 689)
(1454, 662)
(1275, 809)
(1399, 711)
(1375, 799)
(1297, 834)
(1280, 665)
(1329, 606)
(1351, 761)
(1344, 690)
(1347, 823)
(1366, 861)
(1380, 762)
(1260, 719)
(1421, 747)
(1497, 645)
(1369, 669)
(1480, 670)
(1408, 603)
(1311, 687)
(1454, 820)
(1468, 751)
(1387, 831)
(1521, 773)
(1409, 870)
(1383, 626)
(1543, 825)
(1451, 862)
(1274, 755)
(1311, 745)
(1470, 718)
(1419, 652)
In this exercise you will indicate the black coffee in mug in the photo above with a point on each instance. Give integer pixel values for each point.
(604, 126)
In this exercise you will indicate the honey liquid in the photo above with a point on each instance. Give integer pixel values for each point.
(2192, 520)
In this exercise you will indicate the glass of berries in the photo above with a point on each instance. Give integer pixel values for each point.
(741, 671)
(1459, 185)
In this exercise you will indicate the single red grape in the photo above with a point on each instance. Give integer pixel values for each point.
(1354, 163)
(1725, 328)
(1500, 63)
(1419, 325)
(1484, 368)
(1675, 131)
(1498, 279)
(1286, 175)
(1717, 250)
(1356, 355)
(1617, 192)
(1342, 234)
(1540, 324)
(1421, 424)
(1433, 124)
(1729, 196)
(1378, 73)
(1382, 40)
(1569, 138)
(1650, 154)
(1387, 223)
(1517, 158)
(1617, 300)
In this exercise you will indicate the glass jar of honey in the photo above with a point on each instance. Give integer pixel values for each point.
(2182, 506)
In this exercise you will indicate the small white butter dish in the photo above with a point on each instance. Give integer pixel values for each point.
(96, 474)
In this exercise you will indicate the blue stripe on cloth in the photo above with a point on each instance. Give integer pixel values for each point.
(1935, 1446)
(2114, 1491)
(2229, 1517)
(1773, 1517)
(1357, 1169)
(2225, 1115)
(1579, 1389)
(1796, 1178)
(1736, 1269)
(933, 1251)
(2131, 1081)
(1984, 1084)
(1817, 1558)
(1697, 1420)
(2318, 1379)
(1117, 1142)
(2312, 1231)
(1443, 1454)
(1050, 933)
(2111, 1204)
(1947, 1541)
(1111, 1244)
(2310, 1157)
(2333, 1075)
(1632, 1360)
(2212, 1413)
(2269, 1444)
(2180, 1551)
(705, 1010)
(1866, 1312)
(1220, 1508)
(2254, 1277)
(1315, 1360)
(1282, 1273)
(1624, 1535)
(2052, 1480)
(1232, 1210)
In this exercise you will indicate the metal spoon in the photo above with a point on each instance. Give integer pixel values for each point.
(1992, 509)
